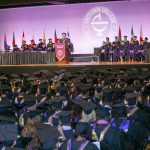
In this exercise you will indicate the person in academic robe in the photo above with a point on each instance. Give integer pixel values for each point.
(24, 46)
(68, 45)
(103, 52)
(104, 132)
(32, 42)
(64, 39)
(122, 53)
(43, 48)
(16, 49)
(141, 52)
(135, 40)
(126, 41)
(113, 52)
(34, 48)
(136, 50)
(135, 132)
(39, 46)
(50, 46)
(147, 55)
(80, 141)
(131, 54)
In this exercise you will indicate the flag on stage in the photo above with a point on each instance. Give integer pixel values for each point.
(55, 37)
(119, 35)
(132, 33)
(23, 37)
(44, 37)
(141, 34)
(33, 35)
(5, 42)
(13, 41)
(68, 35)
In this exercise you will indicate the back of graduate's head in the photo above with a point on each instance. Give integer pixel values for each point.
(103, 114)
(82, 130)
(33, 145)
(119, 111)
(29, 130)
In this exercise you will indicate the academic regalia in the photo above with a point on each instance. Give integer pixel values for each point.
(5, 107)
(16, 49)
(65, 128)
(112, 54)
(131, 52)
(141, 53)
(107, 48)
(136, 49)
(8, 131)
(50, 47)
(57, 105)
(102, 53)
(136, 114)
(47, 135)
(73, 144)
(122, 53)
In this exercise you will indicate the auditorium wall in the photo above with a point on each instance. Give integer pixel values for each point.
(87, 24)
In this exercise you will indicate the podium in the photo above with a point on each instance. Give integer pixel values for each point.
(61, 50)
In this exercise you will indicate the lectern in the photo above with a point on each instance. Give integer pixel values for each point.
(62, 56)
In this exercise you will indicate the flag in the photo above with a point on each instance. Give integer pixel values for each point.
(132, 33)
(119, 35)
(141, 34)
(13, 41)
(44, 37)
(33, 35)
(55, 37)
(23, 37)
(5, 42)
(68, 35)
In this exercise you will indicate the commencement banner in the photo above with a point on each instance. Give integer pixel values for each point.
(60, 51)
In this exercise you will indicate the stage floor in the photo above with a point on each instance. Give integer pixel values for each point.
(81, 64)
(72, 66)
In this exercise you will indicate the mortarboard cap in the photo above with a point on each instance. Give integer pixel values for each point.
(26, 75)
(146, 90)
(87, 106)
(103, 112)
(15, 148)
(119, 110)
(32, 79)
(64, 116)
(56, 102)
(14, 75)
(6, 119)
(82, 128)
(8, 132)
(46, 132)
(131, 98)
(30, 99)
(3, 78)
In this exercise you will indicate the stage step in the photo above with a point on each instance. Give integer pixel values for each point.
(84, 58)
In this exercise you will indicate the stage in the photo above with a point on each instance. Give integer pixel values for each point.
(72, 66)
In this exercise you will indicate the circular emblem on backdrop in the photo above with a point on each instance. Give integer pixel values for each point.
(99, 22)
(60, 52)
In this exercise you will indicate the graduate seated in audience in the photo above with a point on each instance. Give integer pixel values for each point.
(88, 109)
(81, 139)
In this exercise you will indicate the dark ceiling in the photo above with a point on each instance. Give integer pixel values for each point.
(27, 3)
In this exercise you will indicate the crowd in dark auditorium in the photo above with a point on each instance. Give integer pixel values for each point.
(120, 51)
(82, 110)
